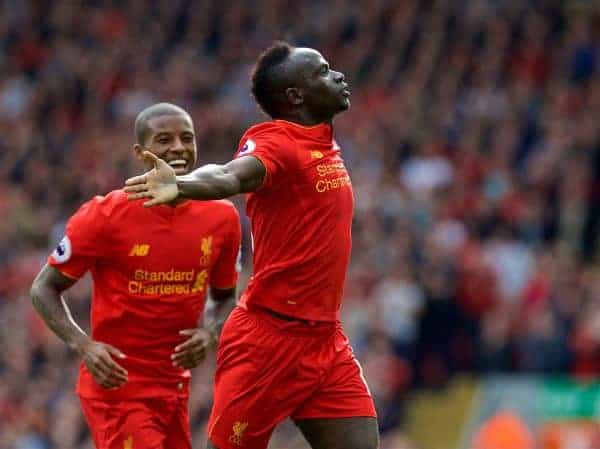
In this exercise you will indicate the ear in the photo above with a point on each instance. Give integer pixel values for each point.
(294, 95)
(138, 150)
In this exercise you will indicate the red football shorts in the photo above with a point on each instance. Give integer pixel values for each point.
(152, 423)
(269, 369)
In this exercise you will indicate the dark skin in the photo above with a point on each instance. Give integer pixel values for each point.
(316, 96)
(171, 138)
(100, 358)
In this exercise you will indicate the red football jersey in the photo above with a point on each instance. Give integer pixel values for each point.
(301, 220)
(151, 268)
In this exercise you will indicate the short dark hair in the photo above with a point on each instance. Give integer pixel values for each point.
(141, 121)
(268, 77)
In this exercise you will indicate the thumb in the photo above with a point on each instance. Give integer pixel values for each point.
(188, 332)
(152, 158)
(114, 351)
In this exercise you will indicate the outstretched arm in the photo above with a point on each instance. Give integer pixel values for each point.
(98, 357)
(209, 182)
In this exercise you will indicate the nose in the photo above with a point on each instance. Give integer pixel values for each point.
(339, 77)
(178, 146)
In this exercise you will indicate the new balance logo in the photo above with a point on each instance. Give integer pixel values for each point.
(316, 155)
(140, 249)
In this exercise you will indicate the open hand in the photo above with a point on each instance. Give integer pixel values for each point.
(191, 352)
(99, 358)
(159, 184)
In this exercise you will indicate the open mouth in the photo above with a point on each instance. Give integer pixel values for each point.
(178, 165)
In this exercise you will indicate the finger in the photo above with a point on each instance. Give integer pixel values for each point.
(141, 179)
(190, 352)
(109, 363)
(111, 384)
(189, 362)
(135, 188)
(189, 344)
(188, 355)
(152, 158)
(188, 331)
(103, 373)
(113, 375)
(104, 380)
(140, 195)
(114, 351)
(98, 368)
(150, 203)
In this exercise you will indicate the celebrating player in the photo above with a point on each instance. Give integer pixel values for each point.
(282, 351)
(151, 269)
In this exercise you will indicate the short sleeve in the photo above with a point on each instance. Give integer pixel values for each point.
(83, 243)
(273, 150)
(225, 271)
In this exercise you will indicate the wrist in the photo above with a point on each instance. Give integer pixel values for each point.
(79, 343)
(179, 181)
(214, 329)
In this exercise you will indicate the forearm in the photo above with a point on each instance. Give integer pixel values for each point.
(55, 312)
(209, 182)
(221, 310)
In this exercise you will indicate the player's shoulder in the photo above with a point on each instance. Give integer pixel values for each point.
(266, 130)
(106, 204)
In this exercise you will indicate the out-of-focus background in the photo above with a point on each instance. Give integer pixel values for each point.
(473, 296)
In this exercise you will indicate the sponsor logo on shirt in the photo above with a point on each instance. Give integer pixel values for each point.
(140, 249)
(62, 252)
(238, 433)
(316, 155)
(328, 169)
(171, 282)
(248, 147)
(128, 443)
(340, 177)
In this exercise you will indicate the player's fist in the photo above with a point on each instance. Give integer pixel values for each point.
(192, 351)
(159, 184)
(99, 358)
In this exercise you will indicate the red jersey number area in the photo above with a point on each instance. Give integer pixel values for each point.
(301, 220)
(151, 269)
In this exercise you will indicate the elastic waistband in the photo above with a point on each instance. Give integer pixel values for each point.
(292, 325)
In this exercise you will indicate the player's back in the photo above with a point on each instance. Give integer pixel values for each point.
(301, 220)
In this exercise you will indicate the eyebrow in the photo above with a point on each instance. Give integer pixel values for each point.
(168, 134)
(321, 66)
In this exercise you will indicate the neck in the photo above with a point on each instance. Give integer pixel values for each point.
(304, 118)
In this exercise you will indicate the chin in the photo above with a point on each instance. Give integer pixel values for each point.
(345, 105)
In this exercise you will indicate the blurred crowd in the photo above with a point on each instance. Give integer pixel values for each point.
(471, 143)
